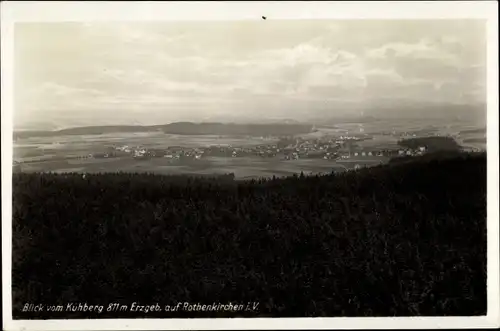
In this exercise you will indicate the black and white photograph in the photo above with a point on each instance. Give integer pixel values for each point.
(244, 162)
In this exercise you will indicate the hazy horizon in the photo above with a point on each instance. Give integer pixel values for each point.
(79, 74)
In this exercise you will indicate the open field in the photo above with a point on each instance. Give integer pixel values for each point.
(242, 167)
(149, 139)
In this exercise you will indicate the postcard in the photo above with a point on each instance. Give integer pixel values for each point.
(250, 165)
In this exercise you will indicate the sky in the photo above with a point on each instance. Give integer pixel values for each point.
(71, 74)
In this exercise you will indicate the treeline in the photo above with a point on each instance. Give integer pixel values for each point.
(395, 240)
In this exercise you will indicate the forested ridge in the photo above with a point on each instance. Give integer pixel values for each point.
(402, 239)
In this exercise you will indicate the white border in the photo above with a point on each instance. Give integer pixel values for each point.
(40, 11)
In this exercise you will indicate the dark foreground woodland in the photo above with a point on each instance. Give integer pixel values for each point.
(404, 239)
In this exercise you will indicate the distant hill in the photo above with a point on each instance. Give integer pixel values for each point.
(183, 128)
(86, 130)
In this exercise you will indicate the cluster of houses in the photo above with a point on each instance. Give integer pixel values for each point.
(385, 152)
(172, 153)
(412, 152)
(343, 147)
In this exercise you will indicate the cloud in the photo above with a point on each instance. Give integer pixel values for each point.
(194, 65)
(52, 95)
(426, 49)
(48, 89)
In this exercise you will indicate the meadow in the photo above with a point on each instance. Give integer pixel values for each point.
(392, 240)
(242, 167)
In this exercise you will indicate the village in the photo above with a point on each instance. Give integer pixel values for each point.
(286, 149)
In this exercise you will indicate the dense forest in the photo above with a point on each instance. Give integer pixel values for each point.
(403, 239)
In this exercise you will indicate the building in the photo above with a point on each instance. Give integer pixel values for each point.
(139, 153)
